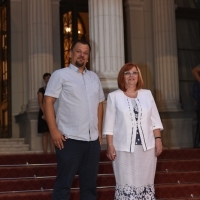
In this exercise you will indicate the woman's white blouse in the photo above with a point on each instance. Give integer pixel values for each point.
(119, 120)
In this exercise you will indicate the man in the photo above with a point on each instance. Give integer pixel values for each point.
(196, 72)
(196, 97)
(76, 123)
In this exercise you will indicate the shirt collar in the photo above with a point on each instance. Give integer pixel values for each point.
(76, 69)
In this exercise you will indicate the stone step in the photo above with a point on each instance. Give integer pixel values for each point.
(20, 152)
(4, 141)
(32, 177)
(13, 145)
(14, 148)
(35, 182)
(175, 192)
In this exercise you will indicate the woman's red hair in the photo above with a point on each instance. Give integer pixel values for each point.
(120, 78)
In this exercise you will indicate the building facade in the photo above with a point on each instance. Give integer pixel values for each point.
(161, 36)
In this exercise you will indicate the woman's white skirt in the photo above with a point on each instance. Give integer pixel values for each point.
(134, 174)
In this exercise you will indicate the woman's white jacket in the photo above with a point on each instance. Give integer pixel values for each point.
(120, 121)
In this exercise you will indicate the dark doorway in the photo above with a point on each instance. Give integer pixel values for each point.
(74, 23)
(5, 72)
(188, 43)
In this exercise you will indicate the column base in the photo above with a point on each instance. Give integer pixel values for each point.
(27, 122)
(179, 129)
(109, 85)
(169, 106)
(33, 106)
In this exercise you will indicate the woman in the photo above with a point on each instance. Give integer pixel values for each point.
(132, 127)
(42, 125)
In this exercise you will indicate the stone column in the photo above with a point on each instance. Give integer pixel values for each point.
(40, 52)
(139, 38)
(165, 55)
(107, 40)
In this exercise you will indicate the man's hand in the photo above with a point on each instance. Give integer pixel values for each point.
(49, 114)
(100, 138)
(58, 138)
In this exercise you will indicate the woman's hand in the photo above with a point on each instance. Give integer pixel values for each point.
(111, 153)
(158, 146)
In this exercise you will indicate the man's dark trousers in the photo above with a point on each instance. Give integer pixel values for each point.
(77, 156)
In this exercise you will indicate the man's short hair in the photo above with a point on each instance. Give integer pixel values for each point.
(82, 41)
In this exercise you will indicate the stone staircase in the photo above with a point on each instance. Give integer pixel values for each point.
(32, 176)
(13, 145)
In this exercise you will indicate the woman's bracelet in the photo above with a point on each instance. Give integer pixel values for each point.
(110, 144)
(158, 138)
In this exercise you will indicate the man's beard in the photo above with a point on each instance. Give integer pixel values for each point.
(79, 64)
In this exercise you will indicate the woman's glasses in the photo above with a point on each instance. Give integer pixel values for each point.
(127, 73)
